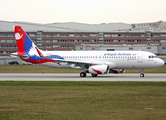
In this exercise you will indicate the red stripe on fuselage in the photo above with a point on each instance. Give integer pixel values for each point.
(39, 61)
(59, 64)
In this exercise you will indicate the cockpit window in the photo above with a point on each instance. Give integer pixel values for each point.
(153, 56)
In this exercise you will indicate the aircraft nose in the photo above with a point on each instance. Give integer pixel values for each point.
(161, 62)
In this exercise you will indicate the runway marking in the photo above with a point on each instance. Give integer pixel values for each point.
(148, 108)
(76, 77)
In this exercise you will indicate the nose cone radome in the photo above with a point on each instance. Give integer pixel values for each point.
(160, 62)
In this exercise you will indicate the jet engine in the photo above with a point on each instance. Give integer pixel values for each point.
(117, 71)
(99, 69)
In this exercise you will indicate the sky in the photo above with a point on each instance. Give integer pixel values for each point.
(83, 11)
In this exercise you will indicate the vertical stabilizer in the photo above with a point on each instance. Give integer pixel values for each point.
(24, 43)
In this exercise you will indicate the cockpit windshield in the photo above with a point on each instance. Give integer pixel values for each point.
(152, 56)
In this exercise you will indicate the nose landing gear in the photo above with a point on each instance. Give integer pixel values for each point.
(142, 74)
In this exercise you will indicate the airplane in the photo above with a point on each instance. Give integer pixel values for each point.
(93, 62)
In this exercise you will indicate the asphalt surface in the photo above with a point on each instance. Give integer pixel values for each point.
(76, 77)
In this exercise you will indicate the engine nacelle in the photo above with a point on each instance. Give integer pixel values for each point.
(117, 71)
(99, 69)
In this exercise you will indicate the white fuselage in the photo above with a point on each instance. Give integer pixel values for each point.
(94, 62)
(114, 59)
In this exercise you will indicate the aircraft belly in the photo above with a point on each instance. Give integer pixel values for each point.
(129, 65)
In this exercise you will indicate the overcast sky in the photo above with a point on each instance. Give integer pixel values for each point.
(83, 11)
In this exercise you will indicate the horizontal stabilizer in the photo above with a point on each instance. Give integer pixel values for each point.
(19, 55)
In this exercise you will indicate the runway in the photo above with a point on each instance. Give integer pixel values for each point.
(76, 77)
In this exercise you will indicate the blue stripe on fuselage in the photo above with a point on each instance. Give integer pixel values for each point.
(34, 57)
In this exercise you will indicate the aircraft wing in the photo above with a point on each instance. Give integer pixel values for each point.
(72, 61)
(82, 63)
(75, 62)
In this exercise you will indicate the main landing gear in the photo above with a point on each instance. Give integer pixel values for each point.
(94, 75)
(142, 74)
(83, 74)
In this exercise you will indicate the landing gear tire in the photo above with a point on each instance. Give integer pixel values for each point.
(82, 74)
(94, 75)
(141, 75)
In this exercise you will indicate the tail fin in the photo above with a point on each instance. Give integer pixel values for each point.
(24, 43)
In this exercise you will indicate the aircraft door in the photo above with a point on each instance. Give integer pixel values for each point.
(140, 57)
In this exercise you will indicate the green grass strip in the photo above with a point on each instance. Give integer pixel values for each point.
(82, 100)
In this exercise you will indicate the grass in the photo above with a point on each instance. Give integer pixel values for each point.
(82, 100)
(42, 69)
(34, 69)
